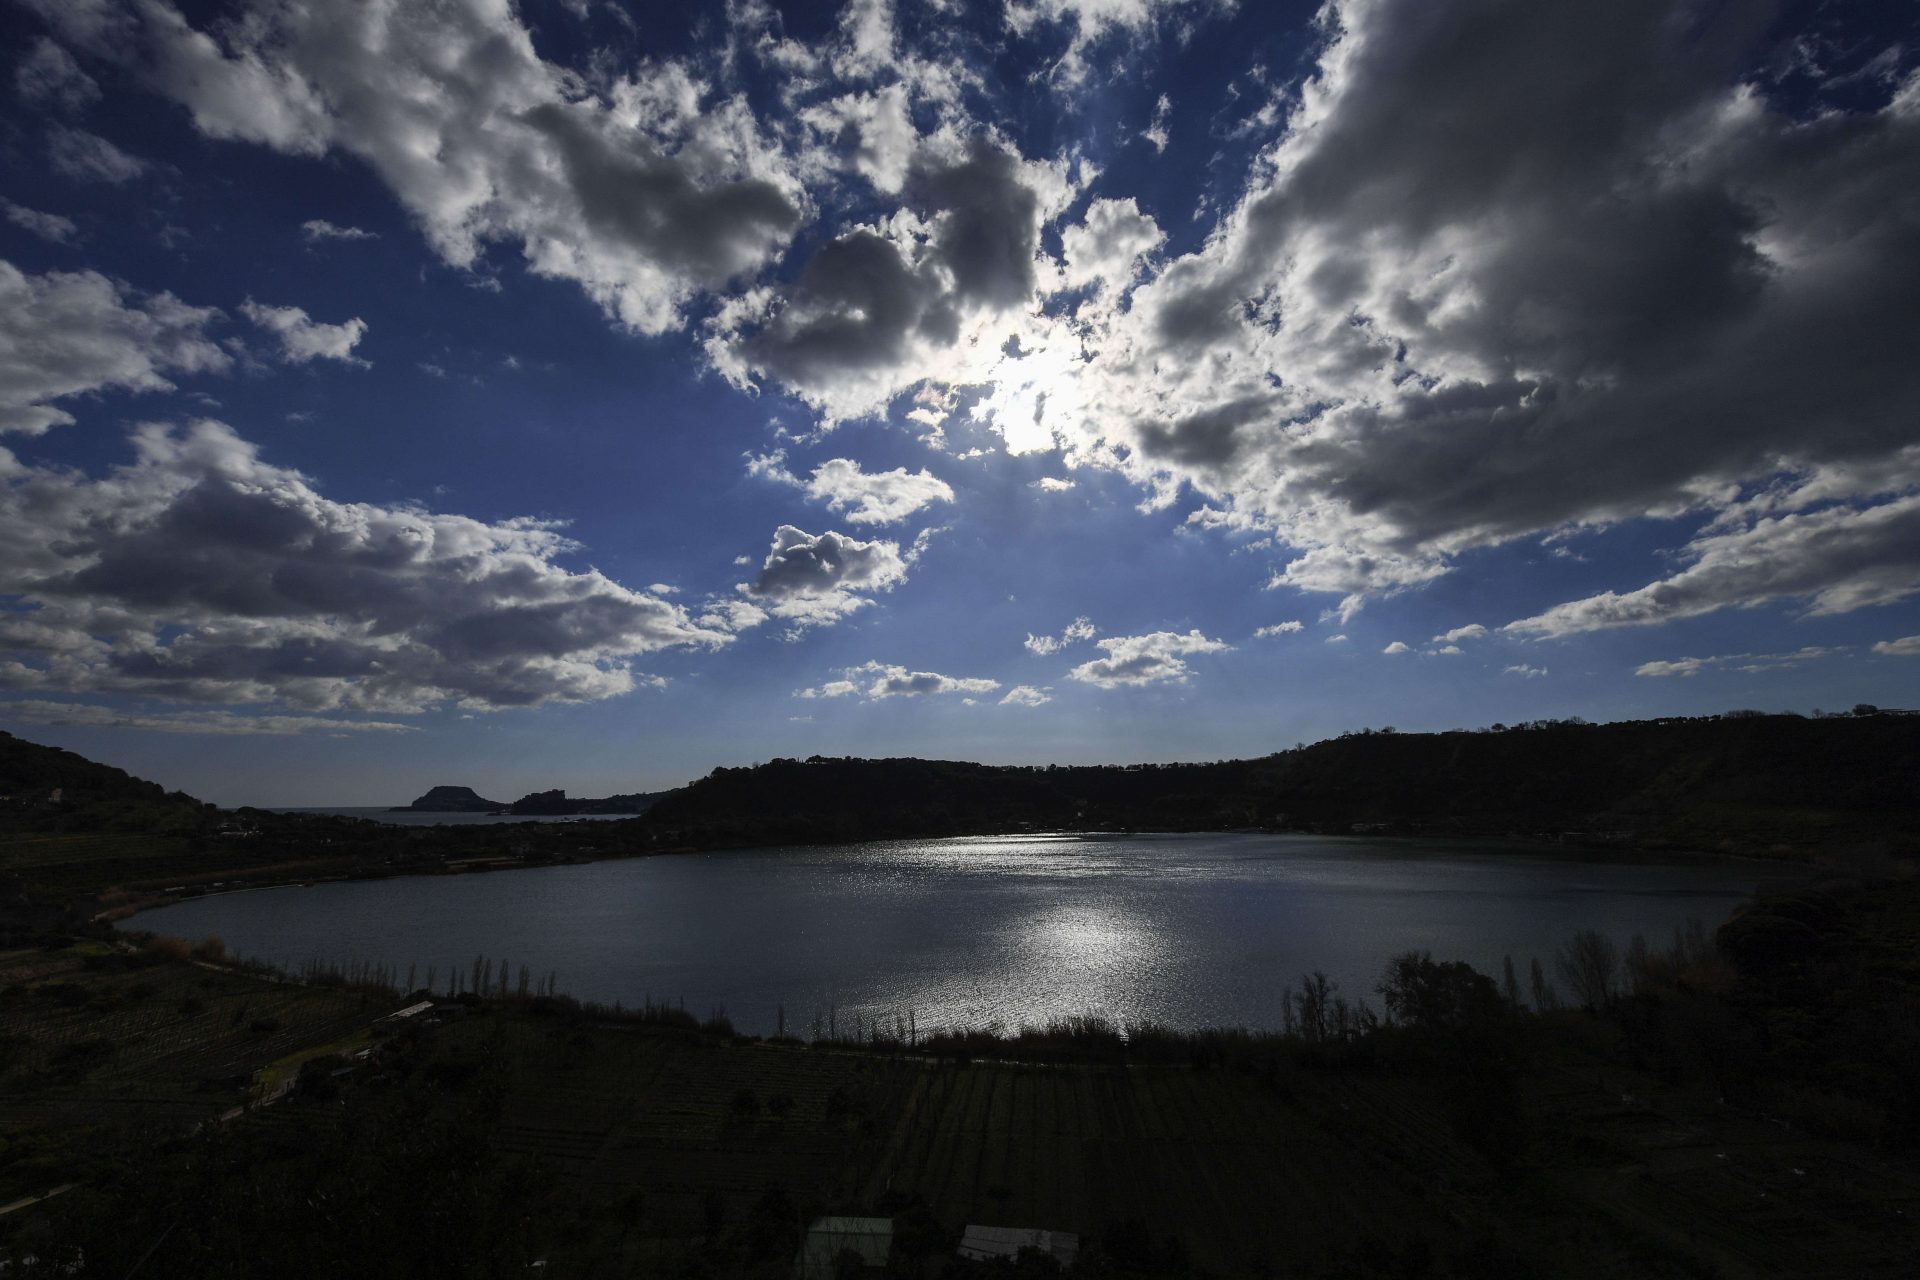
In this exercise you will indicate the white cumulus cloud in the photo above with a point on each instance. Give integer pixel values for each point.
(877, 680)
(64, 334)
(1156, 658)
(302, 338)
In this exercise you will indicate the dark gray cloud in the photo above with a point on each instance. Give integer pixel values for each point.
(988, 234)
(814, 579)
(856, 306)
(632, 193)
(876, 310)
(220, 723)
(1518, 267)
(200, 572)
(642, 191)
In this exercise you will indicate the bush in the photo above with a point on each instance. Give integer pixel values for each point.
(169, 948)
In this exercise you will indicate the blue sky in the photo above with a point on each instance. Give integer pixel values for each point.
(582, 394)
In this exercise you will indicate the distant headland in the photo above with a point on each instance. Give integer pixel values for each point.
(538, 804)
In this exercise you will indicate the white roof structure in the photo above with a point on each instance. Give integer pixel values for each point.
(408, 1012)
(981, 1243)
(828, 1238)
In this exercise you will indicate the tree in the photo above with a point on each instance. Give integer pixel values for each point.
(1544, 996)
(1591, 964)
(1428, 995)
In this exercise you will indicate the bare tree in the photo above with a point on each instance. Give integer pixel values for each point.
(1640, 964)
(1544, 996)
(1314, 1003)
(1591, 964)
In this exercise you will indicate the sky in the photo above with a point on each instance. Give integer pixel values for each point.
(587, 394)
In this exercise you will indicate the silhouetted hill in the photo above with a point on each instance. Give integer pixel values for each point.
(1778, 784)
(450, 800)
(557, 802)
(47, 789)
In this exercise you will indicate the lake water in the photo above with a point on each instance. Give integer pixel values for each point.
(1189, 930)
(413, 818)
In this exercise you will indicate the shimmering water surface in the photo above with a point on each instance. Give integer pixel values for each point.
(1189, 930)
(410, 818)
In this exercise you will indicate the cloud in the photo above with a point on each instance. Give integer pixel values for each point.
(874, 497)
(1837, 559)
(1091, 22)
(48, 226)
(199, 572)
(48, 76)
(1108, 245)
(1472, 631)
(68, 333)
(873, 681)
(1074, 632)
(1665, 285)
(1747, 662)
(1156, 132)
(1026, 695)
(1279, 629)
(317, 230)
(1156, 658)
(1904, 647)
(1524, 671)
(303, 339)
(225, 723)
(813, 580)
(87, 157)
(642, 189)
(1668, 284)
(1397, 647)
(882, 307)
(1053, 484)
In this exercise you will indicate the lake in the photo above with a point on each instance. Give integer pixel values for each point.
(421, 818)
(1188, 930)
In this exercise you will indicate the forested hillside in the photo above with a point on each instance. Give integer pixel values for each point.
(1771, 783)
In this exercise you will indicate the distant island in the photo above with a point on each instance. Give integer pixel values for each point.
(450, 800)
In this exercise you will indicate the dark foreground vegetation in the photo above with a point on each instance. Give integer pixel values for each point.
(1737, 1104)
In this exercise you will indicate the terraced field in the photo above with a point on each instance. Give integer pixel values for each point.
(97, 1045)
